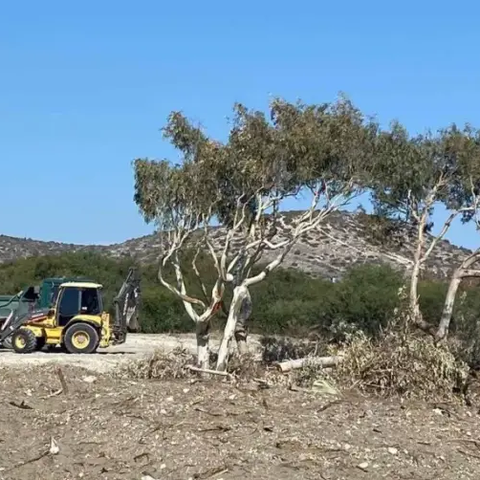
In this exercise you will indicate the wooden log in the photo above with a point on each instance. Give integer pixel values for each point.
(325, 362)
(206, 370)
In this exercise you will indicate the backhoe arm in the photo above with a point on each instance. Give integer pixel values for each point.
(13, 299)
(126, 305)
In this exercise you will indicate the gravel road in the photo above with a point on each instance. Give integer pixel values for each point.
(136, 347)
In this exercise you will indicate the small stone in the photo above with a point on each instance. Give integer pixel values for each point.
(363, 466)
(392, 450)
(54, 448)
(89, 379)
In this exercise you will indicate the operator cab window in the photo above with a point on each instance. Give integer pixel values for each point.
(69, 304)
(90, 302)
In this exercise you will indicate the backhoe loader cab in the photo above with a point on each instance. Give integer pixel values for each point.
(77, 320)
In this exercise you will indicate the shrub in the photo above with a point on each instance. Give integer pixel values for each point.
(432, 297)
(465, 326)
(160, 366)
(366, 299)
(289, 302)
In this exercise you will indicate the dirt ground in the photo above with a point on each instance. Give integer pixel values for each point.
(110, 427)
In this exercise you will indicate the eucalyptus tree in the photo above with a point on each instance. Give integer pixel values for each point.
(465, 197)
(324, 152)
(414, 175)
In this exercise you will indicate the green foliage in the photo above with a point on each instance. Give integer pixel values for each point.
(298, 146)
(465, 326)
(295, 304)
(413, 173)
(291, 302)
(432, 297)
(367, 297)
(31, 271)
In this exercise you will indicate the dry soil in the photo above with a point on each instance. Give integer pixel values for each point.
(110, 427)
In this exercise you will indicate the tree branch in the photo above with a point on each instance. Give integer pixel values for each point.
(197, 272)
(182, 296)
(440, 236)
(466, 273)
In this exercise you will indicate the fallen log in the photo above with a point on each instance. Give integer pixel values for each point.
(206, 370)
(325, 362)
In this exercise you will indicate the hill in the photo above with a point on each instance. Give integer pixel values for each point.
(343, 241)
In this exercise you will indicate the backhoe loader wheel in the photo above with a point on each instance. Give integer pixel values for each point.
(81, 338)
(24, 341)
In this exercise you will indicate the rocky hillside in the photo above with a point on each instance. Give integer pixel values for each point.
(346, 239)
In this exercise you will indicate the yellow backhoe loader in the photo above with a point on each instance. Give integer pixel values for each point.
(76, 320)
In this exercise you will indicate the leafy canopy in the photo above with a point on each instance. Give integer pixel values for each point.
(297, 146)
(414, 172)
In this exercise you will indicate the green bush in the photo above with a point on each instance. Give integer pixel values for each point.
(291, 302)
(432, 297)
(288, 302)
(162, 312)
(367, 297)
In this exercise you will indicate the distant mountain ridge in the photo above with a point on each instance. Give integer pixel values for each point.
(342, 241)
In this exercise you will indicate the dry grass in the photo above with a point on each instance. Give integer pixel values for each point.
(160, 366)
(310, 375)
(173, 365)
(397, 364)
(411, 366)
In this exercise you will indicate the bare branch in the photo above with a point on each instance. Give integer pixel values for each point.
(469, 273)
(275, 246)
(440, 236)
(197, 272)
(214, 256)
(176, 240)
(184, 297)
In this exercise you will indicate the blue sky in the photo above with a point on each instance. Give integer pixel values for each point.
(86, 86)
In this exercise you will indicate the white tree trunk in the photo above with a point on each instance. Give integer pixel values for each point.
(419, 258)
(240, 294)
(463, 271)
(414, 303)
(447, 312)
(415, 276)
(203, 344)
(241, 325)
